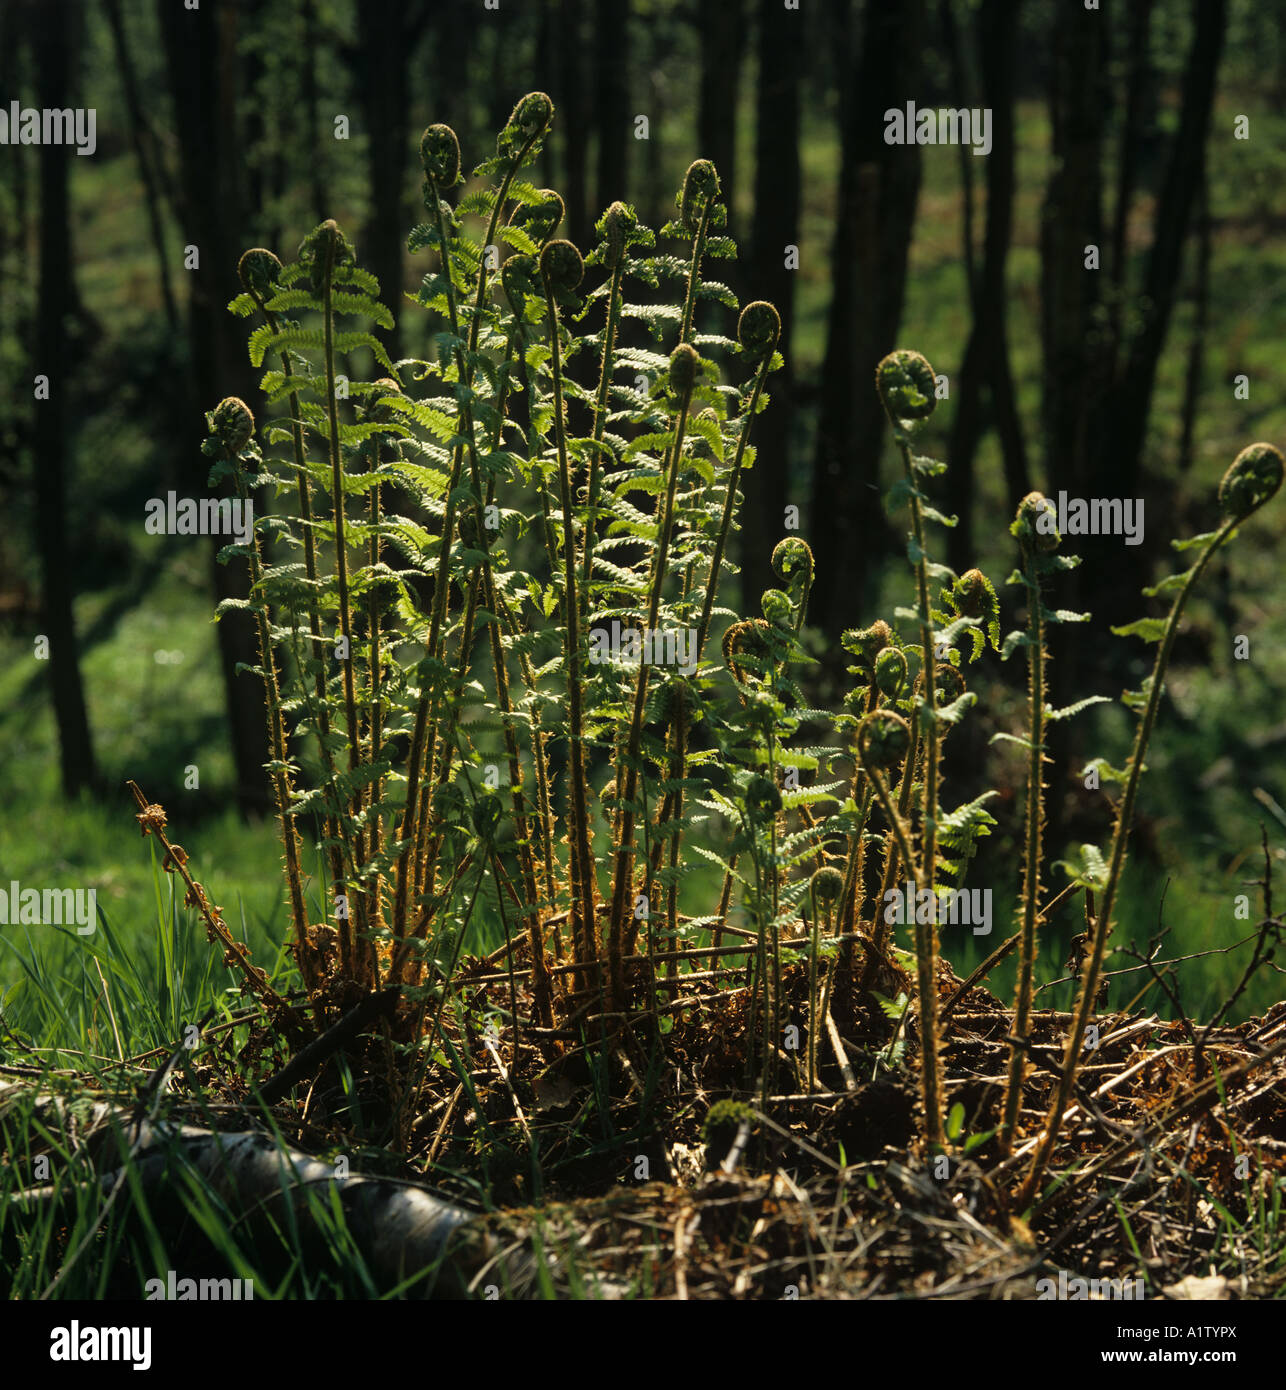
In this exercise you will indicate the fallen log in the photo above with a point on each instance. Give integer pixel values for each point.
(404, 1231)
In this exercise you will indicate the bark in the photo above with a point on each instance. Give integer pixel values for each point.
(383, 51)
(879, 189)
(200, 48)
(1071, 219)
(781, 40)
(1120, 457)
(1200, 322)
(574, 123)
(1073, 374)
(314, 144)
(655, 196)
(452, 42)
(611, 100)
(401, 1229)
(721, 30)
(1098, 389)
(143, 140)
(955, 46)
(1137, 72)
(56, 46)
(986, 370)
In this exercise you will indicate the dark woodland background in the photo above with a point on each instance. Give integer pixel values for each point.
(216, 128)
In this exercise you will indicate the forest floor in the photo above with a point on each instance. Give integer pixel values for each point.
(606, 1168)
(1170, 1168)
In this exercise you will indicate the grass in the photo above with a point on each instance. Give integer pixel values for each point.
(152, 678)
(156, 702)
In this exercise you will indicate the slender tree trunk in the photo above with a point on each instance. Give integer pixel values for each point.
(453, 42)
(200, 48)
(548, 70)
(314, 144)
(960, 81)
(574, 123)
(879, 189)
(144, 142)
(721, 31)
(15, 236)
(781, 45)
(1098, 394)
(381, 65)
(1071, 220)
(1136, 76)
(655, 196)
(1119, 457)
(1200, 322)
(56, 49)
(986, 361)
(611, 99)
(835, 418)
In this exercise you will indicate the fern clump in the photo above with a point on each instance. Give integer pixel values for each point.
(484, 600)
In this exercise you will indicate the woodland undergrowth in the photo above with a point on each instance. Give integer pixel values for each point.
(504, 685)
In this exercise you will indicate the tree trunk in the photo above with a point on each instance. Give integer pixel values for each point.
(580, 216)
(401, 1229)
(1098, 393)
(959, 68)
(144, 142)
(1200, 322)
(384, 46)
(1122, 427)
(721, 31)
(1071, 220)
(201, 58)
(1137, 72)
(56, 30)
(879, 188)
(1073, 374)
(453, 41)
(314, 142)
(611, 100)
(776, 227)
(986, 360)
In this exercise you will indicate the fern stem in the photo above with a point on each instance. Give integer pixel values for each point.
(927, 933)
(893, 855)
(1033, 849)
(341, 575)
(427, 705)
(855, 865)
(667, 808)
(337, 488)
(730, 504)
(1120, 838)
(276, 733)
(625, 837)
(333, 814)
(600, 422)
(374, 830)
(930, 1077)
(582, 864)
